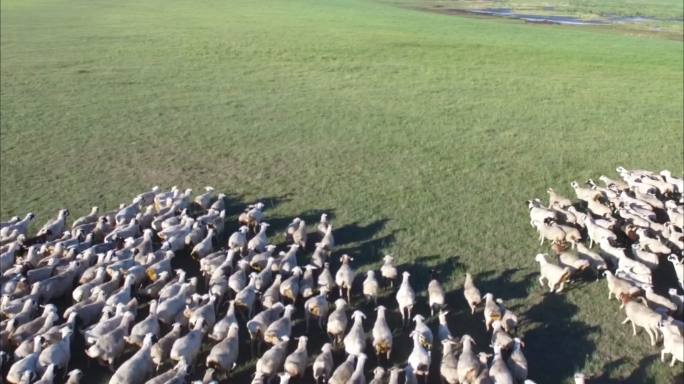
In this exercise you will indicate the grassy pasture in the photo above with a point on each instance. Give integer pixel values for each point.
(422, 133)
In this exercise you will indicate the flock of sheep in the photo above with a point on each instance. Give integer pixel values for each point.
(113, 274)
(637, 224)
(110, 279)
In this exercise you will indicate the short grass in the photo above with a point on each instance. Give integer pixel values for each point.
(423, 133)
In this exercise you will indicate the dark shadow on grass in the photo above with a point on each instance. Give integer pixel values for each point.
(639, 375)
(569, 340)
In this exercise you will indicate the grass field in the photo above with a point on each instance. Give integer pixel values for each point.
(423, 133)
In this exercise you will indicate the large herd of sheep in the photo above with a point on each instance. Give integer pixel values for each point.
(637, 224)
(113, 279)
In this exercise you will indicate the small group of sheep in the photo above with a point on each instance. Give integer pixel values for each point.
(637, 222)
(149, 321)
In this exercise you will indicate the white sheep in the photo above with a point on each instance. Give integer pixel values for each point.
(554, 275)
(638, 314)
(673, 343)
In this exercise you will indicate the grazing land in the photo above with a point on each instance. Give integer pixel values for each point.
(422, 133)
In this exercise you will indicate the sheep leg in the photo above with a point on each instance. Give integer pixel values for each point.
(541, 237)
(349, 295)
(662, 355)
(541, 282)
(562, 285)
(650, 335)
(674, 359)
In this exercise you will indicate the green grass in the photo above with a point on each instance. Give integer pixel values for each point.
(428, 132)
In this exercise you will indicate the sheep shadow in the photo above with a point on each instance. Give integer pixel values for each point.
(640, 374)
(553, 324)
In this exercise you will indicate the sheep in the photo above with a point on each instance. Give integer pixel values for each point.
(239, 279)
(138, 368)
(370, 287)
(288, 260)
(639, 314)
(596, 232)
(678, 267)
(109, 346)
(355, 341)
(280, 329)
(272, 293)
(252, 216)
(272, 360)
(357, 376)
(599, 209)
(498, 370)
(323, 364)
(168, 309)
(596, 261)
(265, 277)
(327, 243)
(554, 275)
(306, 285)
(223, 356)
(148, 325)
(419, 359)
(27, 364)
(57, 354)
(319, 257)
(394, 375)
(238, 240)
(55, 227)
(618, 185)
(388, 271)
(436, 295)
(382, 334)
(500, 338)
(344, 371)
(618, 287)
(245, 298)
(556, 200)
(74, 376)
(653, 244)
(673, 343)
(517, 363)
(188, 346)
(378, 376)
(258, 325)
(585, 194)
(443, 331)
(538, 213)
(548, 230)
(656, 301)
(471, 293)
(423, 331)
(677, 299)
(162, 348)
(299, 235)
(344, 278)
(509, 321)
(448, 370)
(572, 261)
(406, 298)
(290, 287)
(295, 363)
(317, 307)
(337, 322)
(468, 365)
(205, 246)
(170, 375)
(259, 242)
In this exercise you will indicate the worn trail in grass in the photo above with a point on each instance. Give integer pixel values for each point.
(428, 129)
